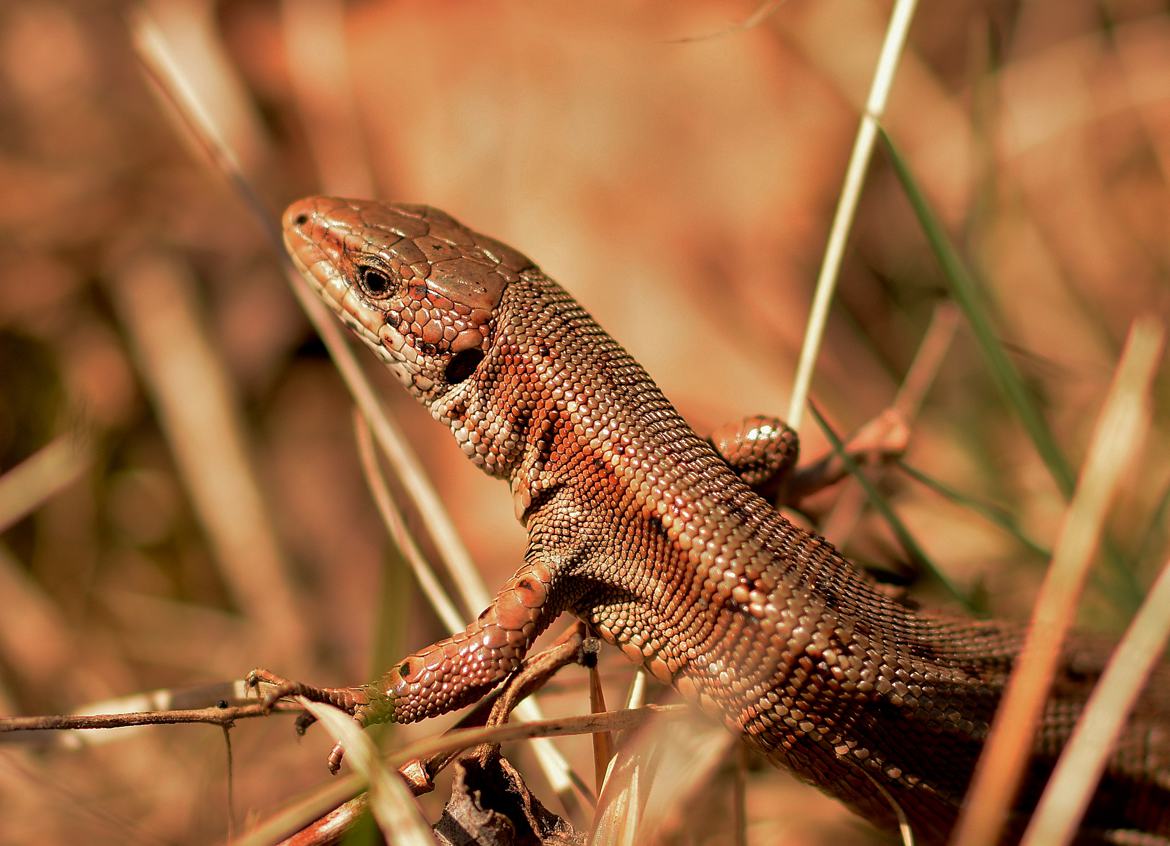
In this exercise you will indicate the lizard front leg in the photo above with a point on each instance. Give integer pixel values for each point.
(460, 669)
(763, 451)
(453, 672)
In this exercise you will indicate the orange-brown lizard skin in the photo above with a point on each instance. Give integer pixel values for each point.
(639, 527)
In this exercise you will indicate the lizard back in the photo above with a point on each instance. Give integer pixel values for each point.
(690, 572)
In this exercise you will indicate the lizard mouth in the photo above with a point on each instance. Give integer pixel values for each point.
(320, 270)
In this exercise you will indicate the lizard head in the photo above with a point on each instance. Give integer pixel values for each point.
(418, 287)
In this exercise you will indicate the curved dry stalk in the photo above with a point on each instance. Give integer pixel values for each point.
(396, 525)
(196, 121)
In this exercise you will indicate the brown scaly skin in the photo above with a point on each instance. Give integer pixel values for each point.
(637, 526)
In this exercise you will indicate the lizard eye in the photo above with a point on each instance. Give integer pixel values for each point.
(375, 282)
(463, 365)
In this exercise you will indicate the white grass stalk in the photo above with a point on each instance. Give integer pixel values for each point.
(394, 808)
(875, 108)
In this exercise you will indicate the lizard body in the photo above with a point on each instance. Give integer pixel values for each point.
(638, 526)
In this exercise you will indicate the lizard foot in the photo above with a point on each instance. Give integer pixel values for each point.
(351, 700)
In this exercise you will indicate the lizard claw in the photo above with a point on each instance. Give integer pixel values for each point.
(351, 700)
(335, 756)
(281, 687)
(347, 699)
(360, 714)
(304, 720)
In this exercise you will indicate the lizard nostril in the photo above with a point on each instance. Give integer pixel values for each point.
(301, 219)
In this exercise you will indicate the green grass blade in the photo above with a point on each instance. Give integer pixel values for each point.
(1119, 582)
(1000, 517)
(879, 502)
(970, 297)
(1153, 539)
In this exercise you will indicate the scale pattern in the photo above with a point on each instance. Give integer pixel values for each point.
(641, 528)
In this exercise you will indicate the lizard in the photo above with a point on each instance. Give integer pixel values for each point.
(642, 529)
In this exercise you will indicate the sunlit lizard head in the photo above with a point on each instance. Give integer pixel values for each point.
(417, 286)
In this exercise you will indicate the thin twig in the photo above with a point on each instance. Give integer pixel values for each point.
(215, 716)
(229, 760)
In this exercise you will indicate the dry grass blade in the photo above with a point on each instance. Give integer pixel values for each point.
(1119, 432)
(619, 810)
(655, 774)
(192, 118)
(602, 741)
(1072, 783)
(555, 765)
(905, 831)
(863, 144)
(193, 397)
(473, 592)
(196, 120)
(305, 811)
(27, 485)
(399, 533)
(636, 695)
(391, 803)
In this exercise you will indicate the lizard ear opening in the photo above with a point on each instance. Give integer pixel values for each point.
(463, 364)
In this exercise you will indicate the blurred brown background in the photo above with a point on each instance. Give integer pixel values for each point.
(196, 508)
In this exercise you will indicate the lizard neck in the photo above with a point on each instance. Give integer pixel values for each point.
(528, 416)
